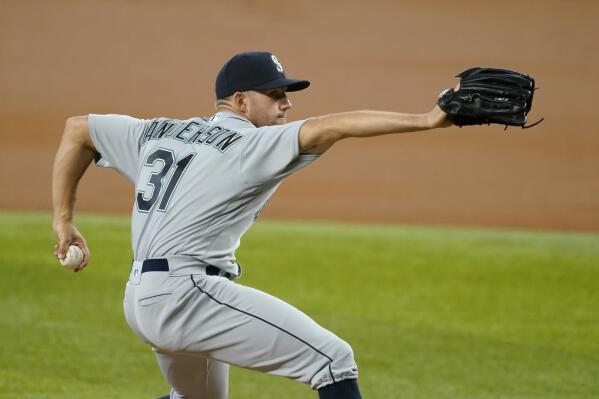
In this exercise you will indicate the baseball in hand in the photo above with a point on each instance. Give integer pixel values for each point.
(73, 258)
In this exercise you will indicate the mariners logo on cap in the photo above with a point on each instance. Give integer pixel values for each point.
(277, 63)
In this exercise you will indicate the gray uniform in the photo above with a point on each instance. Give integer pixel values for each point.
(200, 183)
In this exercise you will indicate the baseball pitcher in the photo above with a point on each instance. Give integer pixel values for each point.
(199, 185)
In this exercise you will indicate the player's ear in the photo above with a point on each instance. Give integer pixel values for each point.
(240, 99)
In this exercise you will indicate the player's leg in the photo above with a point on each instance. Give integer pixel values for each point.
(242, 326)
(190, 377)
(194, 377)
(213, 317)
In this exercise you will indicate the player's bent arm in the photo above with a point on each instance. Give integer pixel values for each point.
(318, 134)
(75, 153)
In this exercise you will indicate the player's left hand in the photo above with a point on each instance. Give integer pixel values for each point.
(490, 96)
(67, 235)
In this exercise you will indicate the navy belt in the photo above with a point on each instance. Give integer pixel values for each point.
(161, 265)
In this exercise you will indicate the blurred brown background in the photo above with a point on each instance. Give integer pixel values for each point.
(151, 58)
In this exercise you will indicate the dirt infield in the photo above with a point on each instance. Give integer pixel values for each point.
(145, 59)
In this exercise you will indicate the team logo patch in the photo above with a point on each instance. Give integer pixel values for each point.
(277, 63)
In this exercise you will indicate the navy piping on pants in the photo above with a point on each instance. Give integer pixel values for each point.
(271, 324)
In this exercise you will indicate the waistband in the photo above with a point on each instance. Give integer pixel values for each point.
(162, 265)
(180, 265)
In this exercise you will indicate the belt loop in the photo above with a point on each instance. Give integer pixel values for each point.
(136, 271)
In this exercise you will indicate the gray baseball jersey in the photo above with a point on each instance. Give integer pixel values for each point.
(200, 183)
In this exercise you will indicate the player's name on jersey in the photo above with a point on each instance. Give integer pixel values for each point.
(191, 132)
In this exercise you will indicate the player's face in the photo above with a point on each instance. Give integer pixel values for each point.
(268, 107)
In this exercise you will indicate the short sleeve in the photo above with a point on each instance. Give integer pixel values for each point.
(117, 140)
(272, 152)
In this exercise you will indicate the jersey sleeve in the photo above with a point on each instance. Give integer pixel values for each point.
(117, 141)
(272, 152)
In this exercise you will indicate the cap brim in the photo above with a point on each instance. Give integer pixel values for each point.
(291, 84)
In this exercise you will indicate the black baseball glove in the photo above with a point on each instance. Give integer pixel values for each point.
(489, 95)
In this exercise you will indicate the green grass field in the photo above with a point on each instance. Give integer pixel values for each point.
(430, 313)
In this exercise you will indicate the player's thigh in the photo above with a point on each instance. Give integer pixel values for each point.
(249, 328)
(194, 377)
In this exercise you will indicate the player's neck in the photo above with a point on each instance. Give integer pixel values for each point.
(231, 109)
(225, 107)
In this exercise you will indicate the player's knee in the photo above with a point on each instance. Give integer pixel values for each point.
(344, 357)
(340, 366)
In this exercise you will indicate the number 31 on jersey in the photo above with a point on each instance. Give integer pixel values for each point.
(158, 179)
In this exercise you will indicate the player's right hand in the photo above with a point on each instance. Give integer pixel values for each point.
(67, 235)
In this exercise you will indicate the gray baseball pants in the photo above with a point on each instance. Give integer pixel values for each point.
(199, 324)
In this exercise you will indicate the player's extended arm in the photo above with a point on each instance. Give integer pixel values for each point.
(75, 153)
(318, 134)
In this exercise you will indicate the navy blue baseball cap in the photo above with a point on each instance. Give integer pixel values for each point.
(255, 70)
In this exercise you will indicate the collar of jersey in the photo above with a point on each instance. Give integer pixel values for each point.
(222, 115)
